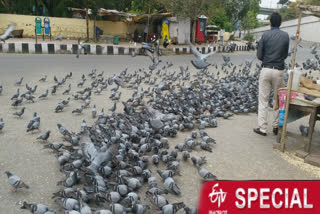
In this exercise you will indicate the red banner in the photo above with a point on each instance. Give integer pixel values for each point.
(255, 197)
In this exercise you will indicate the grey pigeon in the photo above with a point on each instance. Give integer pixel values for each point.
(44, 95)
(157, 200)
(19, 82)
(133, 53)
(78, 110)
(36, 208)
(43, 79)
(67, 91)
(118, 209)
(94, 111)
(44, 136)
(19, 113)
(103, 212)
(1, 124)
(16, 95)
(172, 208)
(54, 146)
(113, 197)
(35, 126)
(190, 210)
(139, 208)
(205, 174)
(7, 33)
(15, 182)
(171, 186)
(81, 47)
(63, 130)
(68, 203)
(304, 130)
(198, 160)
(201, 59)
(58, 38)
(59, 107)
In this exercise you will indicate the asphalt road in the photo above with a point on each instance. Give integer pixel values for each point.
(239, 154)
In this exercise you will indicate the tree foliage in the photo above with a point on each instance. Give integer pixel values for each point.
(223, 13)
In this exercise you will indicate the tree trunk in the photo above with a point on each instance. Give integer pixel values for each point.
(94, 29)
(87, 21)
(193, 31)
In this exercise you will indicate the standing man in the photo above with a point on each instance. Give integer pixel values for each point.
(221, 36)
(272, 51)
(145, 33)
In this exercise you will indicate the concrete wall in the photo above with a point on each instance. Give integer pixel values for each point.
(310, 28)
(67, 27)
(180, 28)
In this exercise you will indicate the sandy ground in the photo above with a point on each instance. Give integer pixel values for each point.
(239, 154)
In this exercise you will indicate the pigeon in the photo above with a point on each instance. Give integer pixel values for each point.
(133, 53)
(67, 91)
(113, 108)
(16, 95)
(37, 208)
(34, 126)
(78, 110)
(20, 113)
(157, 200)
(54, 146)
(171, 186)
(44, 95)
(1, 124)
(44, 136)
(205, 174)
(17, 102)
(59, 107)
(139, 208)
(304, 130)
(201, 59)
(15, 182)
(172, 208)
(198, 160)
(190, 210)
(63, 131)
(54, 89)
(60, 38)
(68, 203)
(7, 34)
(154, 56)
(94, 111)
(43, 79)
(81, 47)
(19, 82)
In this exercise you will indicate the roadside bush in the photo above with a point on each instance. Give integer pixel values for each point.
(248, 37)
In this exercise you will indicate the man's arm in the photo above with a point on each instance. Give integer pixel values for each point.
(260, 51)
(287, 47)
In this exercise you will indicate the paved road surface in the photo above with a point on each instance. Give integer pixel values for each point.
(239, 153)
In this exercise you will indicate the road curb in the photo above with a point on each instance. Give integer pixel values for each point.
(50, 48)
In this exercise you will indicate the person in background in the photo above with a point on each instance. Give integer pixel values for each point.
(145, 33)
(221, 37)
(165, 42)
(272, 51)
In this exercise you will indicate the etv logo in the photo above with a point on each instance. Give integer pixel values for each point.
(220, 196)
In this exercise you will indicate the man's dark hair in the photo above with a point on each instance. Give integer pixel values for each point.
(275, 19)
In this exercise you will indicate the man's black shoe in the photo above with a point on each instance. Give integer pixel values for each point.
(257, 130)
(275, 131)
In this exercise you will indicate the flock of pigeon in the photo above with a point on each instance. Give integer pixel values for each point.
(107, 163)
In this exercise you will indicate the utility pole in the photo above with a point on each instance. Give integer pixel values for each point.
(87, 21)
